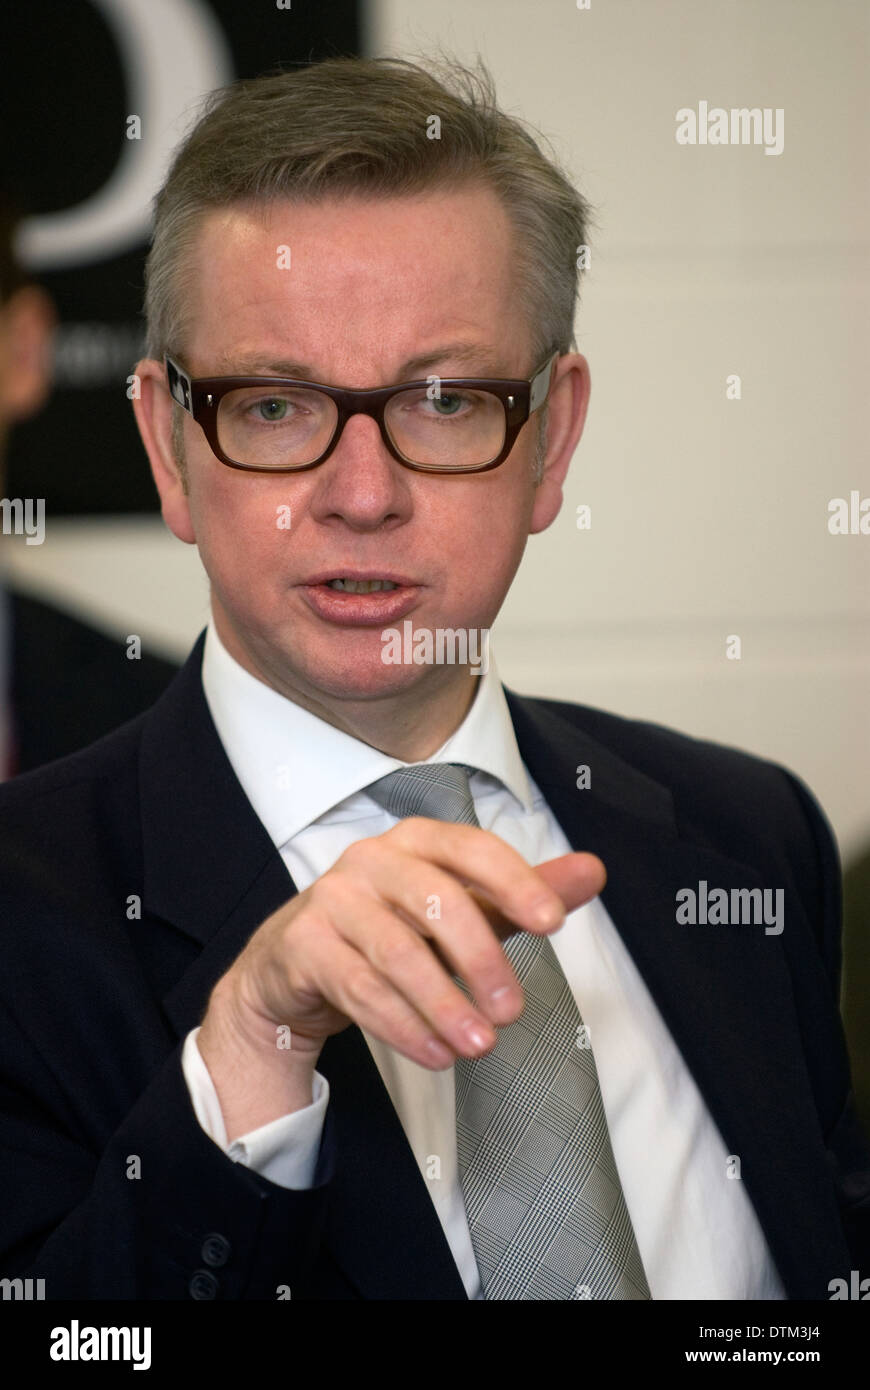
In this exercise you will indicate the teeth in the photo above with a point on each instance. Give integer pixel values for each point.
(361, 586)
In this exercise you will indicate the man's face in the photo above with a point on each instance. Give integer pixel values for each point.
(373, 287)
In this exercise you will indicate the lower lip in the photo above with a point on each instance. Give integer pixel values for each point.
(359, 610)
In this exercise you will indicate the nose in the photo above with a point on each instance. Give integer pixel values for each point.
(361, 483)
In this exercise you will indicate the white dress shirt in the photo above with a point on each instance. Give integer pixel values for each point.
(696, 1229)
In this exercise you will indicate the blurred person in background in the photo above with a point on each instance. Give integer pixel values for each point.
(63, 683)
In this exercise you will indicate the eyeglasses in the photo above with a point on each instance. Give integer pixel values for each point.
(270, 424)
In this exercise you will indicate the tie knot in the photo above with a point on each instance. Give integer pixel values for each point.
(437, 790)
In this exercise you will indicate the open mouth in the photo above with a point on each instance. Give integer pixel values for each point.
(361, 600)
(360, 586)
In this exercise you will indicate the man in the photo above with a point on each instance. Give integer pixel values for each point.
(63, 683)
(292, 1005)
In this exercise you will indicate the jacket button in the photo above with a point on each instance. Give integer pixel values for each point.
(203, 1285)
(215, 1250)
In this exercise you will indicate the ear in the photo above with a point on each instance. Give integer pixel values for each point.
(153, 407)
(568, 401)
(27, 324)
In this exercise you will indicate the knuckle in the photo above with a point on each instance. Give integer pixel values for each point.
(410, 1034)
(335, 891)
(491, 966)
(410, 829)
(300, 984)
(356, 854)
(338, 895)
(360, 861)
(457, 903)
(301, 952)
(465, 921)
(363, 990)
(395, 951)
(294, 936)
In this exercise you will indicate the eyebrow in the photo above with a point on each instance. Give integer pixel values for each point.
(486, 360)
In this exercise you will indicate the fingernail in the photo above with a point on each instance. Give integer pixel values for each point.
(499, 994)
(548, 913)
(478, 1038)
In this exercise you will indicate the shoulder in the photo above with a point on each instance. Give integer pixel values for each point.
(721, 799)
(651, 747)
(721, 795)
(71, 683)
(41, 628)
(74, 821)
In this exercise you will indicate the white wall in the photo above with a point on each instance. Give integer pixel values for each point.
(709, 516)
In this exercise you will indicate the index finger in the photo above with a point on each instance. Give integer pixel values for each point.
(576, 878)
(511, 893)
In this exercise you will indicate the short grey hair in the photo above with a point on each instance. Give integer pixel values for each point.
(364, 126)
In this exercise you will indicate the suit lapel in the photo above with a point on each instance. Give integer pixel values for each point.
(383, 1228)
(724, 991)
(211, 870)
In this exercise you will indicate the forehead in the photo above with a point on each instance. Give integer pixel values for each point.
(354, 283)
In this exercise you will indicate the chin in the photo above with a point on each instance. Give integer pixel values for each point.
(359, 680)
(344, 665)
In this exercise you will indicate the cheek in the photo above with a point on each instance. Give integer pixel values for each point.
(498, 513)
(241, 532)
(482, 536)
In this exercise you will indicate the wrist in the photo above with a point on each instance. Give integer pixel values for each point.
(235, 1039)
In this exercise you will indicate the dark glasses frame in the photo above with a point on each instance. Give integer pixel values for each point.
(201, 397)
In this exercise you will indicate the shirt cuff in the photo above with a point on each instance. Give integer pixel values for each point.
(284, 1151)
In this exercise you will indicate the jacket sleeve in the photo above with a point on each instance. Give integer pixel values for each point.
(159, 1213)
(846, 1143)
(284, 1150)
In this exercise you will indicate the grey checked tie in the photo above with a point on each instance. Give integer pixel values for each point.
(543, 1199)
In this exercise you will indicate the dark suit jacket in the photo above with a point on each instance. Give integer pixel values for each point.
(70, 684)
(95, 1004)
(856, 977)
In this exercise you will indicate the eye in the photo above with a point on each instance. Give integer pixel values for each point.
(272, 408)
(451, 400)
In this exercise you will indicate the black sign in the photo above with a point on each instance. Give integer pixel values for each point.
(75, 77)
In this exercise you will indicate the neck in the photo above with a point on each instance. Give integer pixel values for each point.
(411, 726)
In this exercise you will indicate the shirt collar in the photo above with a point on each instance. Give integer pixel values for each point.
(294, 767)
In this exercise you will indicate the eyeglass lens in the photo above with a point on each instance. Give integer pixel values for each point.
(282, 427)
